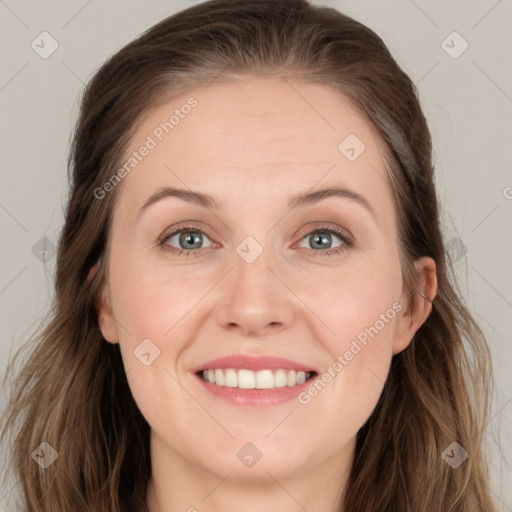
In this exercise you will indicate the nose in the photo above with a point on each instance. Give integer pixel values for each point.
(256, 300)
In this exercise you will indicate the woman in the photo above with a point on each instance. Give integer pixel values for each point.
(253, 305)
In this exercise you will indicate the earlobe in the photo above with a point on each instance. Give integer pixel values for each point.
(416, 313)
(93, 271)
(106, 320)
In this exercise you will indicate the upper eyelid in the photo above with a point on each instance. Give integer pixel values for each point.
(186, 227)
(330, 229)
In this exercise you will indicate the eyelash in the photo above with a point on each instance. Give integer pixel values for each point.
(345, 237)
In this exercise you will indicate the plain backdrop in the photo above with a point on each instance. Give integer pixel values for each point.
(465, 85)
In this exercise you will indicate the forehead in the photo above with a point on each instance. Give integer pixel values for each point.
(257, 139)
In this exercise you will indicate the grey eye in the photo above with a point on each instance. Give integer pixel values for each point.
(321, 239)
(187, 239)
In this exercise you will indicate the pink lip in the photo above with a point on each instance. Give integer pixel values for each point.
(254, 363)
(254, 397)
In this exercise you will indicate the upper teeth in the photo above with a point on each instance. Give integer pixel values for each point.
(247, 379)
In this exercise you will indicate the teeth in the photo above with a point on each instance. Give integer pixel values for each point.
(265, 379)
(280, 379)
(230, 378)
(219, 377)
(291, 378)
(247, 379)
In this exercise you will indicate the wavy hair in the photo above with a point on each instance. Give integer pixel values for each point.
(72, 391)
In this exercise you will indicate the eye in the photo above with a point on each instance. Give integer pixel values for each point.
(189, 239)
(321, 241)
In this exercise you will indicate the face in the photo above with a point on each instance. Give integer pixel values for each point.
(258, 274)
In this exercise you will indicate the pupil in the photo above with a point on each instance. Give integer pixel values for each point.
(318, 238)
(186, 237)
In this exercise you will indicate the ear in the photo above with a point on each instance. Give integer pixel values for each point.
(415, 314)
(106, 320)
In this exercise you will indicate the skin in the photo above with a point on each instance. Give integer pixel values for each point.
(253, 144)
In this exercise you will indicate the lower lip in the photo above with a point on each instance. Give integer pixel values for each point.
(255, 397)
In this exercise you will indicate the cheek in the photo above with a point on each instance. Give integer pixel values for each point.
(151, 300)
(155, 311)
(350, 386)
(360, 311)
(357, 303)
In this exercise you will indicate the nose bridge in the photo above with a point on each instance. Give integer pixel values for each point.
(256, 300)
(253, 282)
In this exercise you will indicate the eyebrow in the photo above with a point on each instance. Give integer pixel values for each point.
(320, 195)
(189, 196)
(298, 200)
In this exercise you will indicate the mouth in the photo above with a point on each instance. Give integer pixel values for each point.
(254, 381)
(244, 378)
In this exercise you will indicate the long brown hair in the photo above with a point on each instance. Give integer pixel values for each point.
(72, 391)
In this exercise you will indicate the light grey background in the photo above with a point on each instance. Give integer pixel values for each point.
(467, 101)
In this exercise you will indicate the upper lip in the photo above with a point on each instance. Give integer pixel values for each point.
(253, 363)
